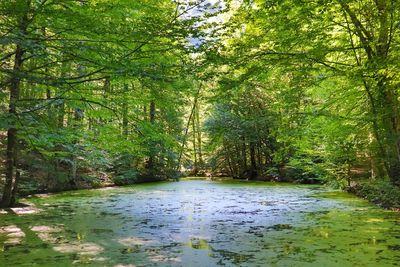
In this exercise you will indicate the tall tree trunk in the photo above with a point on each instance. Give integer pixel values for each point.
(11, 152)
(125, 114)
(61, 114)
(152, 113)
(194, 133)
(390, 103)
(232, 172)
(253, 162)
(391, 128)
(228, 157)
(145, 113)
(199, 137)
(61, 105)
(50, 114)
(243, 154)
(77, 125)
(187, 128)
(15, 188)
(259, 154)
(10, 166)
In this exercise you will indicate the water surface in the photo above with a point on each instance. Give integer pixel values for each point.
(202, 223)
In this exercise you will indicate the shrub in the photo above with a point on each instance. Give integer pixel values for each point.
(126, 177)
(380, 192)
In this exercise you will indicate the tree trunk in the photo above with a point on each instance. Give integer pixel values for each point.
(230, 166)
(61, 106)
(253, 169)
(125, 114)
(187, 128)
(194, 133)
(15, 188)
(9, 184)
(61, 114)
(228, 155)
(199, 137)
(152, 113)
(244, 154)
(387, 127)
(11, 150)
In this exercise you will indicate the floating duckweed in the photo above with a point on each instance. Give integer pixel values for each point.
(202, 223)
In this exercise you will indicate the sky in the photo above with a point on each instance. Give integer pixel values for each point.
(206, 6)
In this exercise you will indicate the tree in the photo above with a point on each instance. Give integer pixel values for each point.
(70, 73)
(320, 46)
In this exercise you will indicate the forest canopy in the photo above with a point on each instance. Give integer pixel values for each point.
(117, 92)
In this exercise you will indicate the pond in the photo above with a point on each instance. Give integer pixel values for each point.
(201, 223)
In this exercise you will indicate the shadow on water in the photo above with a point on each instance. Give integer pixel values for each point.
(201, 223)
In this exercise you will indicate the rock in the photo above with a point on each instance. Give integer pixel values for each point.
(79, 248)
(45, 229)
(132, 241)
(25, 210)
(18, 234)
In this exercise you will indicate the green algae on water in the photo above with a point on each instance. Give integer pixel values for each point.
(203, 223)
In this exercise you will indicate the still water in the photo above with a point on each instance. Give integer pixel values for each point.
(202, 223)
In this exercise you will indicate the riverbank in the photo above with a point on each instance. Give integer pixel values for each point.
(380, 192)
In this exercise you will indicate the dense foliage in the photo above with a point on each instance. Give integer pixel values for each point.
(100, 91)
(308, 90)
(93, 89)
